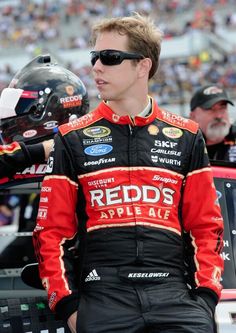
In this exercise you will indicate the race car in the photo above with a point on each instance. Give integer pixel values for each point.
(225, 181)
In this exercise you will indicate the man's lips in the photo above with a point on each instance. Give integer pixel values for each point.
(100, 82)
(219, 123)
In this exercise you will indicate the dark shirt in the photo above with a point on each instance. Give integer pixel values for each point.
(225, 150)
(17, 156)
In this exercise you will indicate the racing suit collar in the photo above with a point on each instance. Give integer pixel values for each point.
(138, 120)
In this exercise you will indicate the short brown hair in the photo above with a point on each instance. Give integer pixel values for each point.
(144, 36)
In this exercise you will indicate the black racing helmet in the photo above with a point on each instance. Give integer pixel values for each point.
(40, 97)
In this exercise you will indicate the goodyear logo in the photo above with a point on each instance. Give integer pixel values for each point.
(172, 132)
(97, 131)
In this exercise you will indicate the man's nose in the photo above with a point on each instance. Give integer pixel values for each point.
(98, 65)
(219, 113)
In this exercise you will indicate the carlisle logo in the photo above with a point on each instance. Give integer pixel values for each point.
(172, 132)
(97, 131)
(98, 150)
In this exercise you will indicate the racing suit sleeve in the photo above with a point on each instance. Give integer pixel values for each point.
(55, 233)
(203, 221)
(17, 156)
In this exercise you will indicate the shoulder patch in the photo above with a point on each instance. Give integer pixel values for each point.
(178, 121)
(79, 123)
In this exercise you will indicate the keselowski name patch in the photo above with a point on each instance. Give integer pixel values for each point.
(141, 275)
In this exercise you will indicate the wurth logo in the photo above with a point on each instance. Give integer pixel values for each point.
(93, 276)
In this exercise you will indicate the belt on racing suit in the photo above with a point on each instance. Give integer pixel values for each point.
(131, 274)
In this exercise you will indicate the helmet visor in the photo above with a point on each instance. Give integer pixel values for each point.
(15, 102)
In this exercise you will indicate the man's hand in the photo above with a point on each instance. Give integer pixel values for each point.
(47, 145)
(71, 322)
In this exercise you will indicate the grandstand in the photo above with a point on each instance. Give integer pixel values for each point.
(199, 43)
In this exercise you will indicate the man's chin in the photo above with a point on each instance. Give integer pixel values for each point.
(217, 134)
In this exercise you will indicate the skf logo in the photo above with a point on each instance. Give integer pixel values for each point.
(70, 90)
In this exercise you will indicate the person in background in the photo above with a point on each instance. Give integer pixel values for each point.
(128, 180)
(16, 156)
(209, 108)
(41, 96)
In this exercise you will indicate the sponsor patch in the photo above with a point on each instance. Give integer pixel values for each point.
(92, 141)
(172, 132)
(70, 90)
(42, 213)
(29, 133)
(50, 124)
(71, 101)
(98, 150)
(115, 118)
(93, 276)
(97, 131)
(50, 165)
(100, 161)
(141, 275)
(153, 129)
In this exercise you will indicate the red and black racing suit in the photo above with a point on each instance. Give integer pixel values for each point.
(136, 186)
(17, 156)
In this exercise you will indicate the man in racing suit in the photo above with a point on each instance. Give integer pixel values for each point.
(129, 180)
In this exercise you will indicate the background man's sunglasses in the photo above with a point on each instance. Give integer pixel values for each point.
(112, 57)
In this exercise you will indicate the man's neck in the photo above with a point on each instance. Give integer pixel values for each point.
(215, 142)
(132, 108)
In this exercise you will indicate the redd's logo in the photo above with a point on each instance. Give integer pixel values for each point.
(131, 193)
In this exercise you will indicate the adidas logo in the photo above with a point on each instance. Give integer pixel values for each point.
(93, 276)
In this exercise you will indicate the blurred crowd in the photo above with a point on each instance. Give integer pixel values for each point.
(30, 23)
(38, 26)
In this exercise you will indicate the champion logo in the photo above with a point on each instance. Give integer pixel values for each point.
(93, 276)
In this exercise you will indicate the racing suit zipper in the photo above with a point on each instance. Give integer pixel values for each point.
(133, 162)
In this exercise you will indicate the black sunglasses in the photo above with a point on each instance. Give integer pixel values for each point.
(112, 57)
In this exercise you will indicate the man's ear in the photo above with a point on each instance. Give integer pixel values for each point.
(145, 66)
(192, 115)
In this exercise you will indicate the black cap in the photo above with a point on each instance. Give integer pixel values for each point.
(207, 96)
